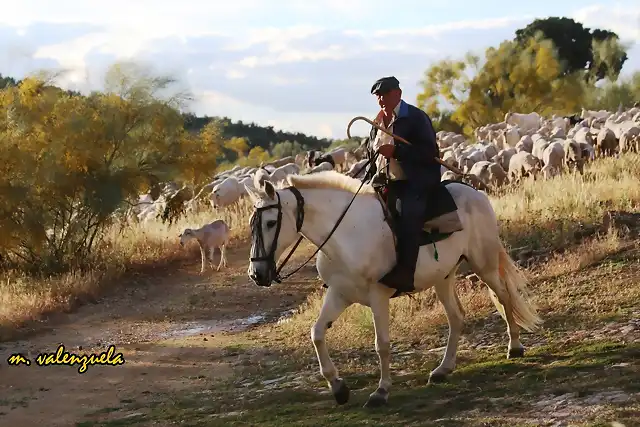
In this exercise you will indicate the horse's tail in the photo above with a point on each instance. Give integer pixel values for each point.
(524, 311)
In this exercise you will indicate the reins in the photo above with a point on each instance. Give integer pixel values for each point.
(278, 278)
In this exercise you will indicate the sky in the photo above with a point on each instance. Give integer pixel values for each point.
(297, 65)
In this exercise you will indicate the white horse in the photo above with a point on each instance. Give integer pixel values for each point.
(361, 251)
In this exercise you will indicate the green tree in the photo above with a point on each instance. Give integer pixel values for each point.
(513, 77)
(574, 44)
(624, 92)
(286, 148)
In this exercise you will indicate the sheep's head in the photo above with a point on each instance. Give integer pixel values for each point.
(185, 236)
(214, 198)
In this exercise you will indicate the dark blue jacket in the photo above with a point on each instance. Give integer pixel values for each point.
(418, 159)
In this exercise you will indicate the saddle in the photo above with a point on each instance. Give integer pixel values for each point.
(441, 213)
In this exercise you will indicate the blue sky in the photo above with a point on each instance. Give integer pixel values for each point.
(296, 65)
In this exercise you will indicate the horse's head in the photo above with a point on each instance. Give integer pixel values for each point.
(275, 224)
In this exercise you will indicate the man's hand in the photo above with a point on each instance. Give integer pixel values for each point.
(387, 150)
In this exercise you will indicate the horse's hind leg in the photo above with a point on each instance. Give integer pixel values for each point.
(502, 300)
(446, 293)
(332, 307)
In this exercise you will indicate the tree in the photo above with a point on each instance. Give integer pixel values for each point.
(608, 57)
(258, 155)
(443, 121)
(238, 145)
(286, 148)
(68, 162)
(614, 94)
(574, 44)
(514, 77)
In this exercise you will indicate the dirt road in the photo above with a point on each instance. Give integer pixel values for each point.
(140, 322)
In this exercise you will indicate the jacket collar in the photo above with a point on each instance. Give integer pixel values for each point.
(401, 110)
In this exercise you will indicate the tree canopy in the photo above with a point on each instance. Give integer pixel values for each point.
(527, 74)
(67, 163)
(575, 45)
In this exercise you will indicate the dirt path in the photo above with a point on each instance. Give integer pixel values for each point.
(138, 322)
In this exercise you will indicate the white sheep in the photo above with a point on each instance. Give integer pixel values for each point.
(491, 174)
(523, 164)
(523, 121)
(209, 236)
(340, 158)
(358, 168)
(573, 156)
(281, 173)
(280, 162)
(226, 193)
(324, 166)
(503, 157)
(553, 159)
(259, 177)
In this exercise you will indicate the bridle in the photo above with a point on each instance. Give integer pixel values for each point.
(258, 250)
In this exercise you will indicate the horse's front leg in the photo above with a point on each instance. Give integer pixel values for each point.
(332, 307)
(380, 309)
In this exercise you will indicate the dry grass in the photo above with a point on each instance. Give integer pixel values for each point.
(420, 319)
(546, 214)
(538, 214)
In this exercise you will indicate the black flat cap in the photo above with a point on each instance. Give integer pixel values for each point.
(384, 85)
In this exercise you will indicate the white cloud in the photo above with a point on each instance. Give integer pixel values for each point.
(624, 20)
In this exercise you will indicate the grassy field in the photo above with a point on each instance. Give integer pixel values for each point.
(582, 368)
(139, 249)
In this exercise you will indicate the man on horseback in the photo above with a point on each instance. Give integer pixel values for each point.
(410, 171)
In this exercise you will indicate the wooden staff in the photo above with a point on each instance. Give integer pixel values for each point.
(399, 138)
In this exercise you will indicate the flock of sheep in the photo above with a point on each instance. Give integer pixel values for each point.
(528, 145)
(521, 146)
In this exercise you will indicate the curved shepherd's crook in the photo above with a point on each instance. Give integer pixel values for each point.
(401, 139)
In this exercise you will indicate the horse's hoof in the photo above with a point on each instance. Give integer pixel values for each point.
(515, 352)
(341, 393)
(377, 399)
(437, 378)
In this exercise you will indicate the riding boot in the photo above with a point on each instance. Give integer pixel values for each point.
(401, 277)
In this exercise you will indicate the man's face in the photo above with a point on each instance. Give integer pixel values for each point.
(388, 101)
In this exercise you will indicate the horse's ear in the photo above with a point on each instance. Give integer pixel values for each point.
(270, 189)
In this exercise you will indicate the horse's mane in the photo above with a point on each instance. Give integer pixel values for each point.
(329, 180)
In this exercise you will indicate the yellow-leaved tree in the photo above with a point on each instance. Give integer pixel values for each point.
(69, 161)
(513, 77)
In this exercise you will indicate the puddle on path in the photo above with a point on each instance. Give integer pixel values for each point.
(212, 326)
(209, 326)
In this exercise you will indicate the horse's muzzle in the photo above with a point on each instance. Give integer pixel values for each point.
(263, 281)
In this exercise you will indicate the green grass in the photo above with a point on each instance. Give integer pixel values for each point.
(486, 389)
(573, 356)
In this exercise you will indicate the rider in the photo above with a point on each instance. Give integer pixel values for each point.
(411, 169)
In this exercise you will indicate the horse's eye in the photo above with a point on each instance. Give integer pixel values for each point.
(271, 223)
